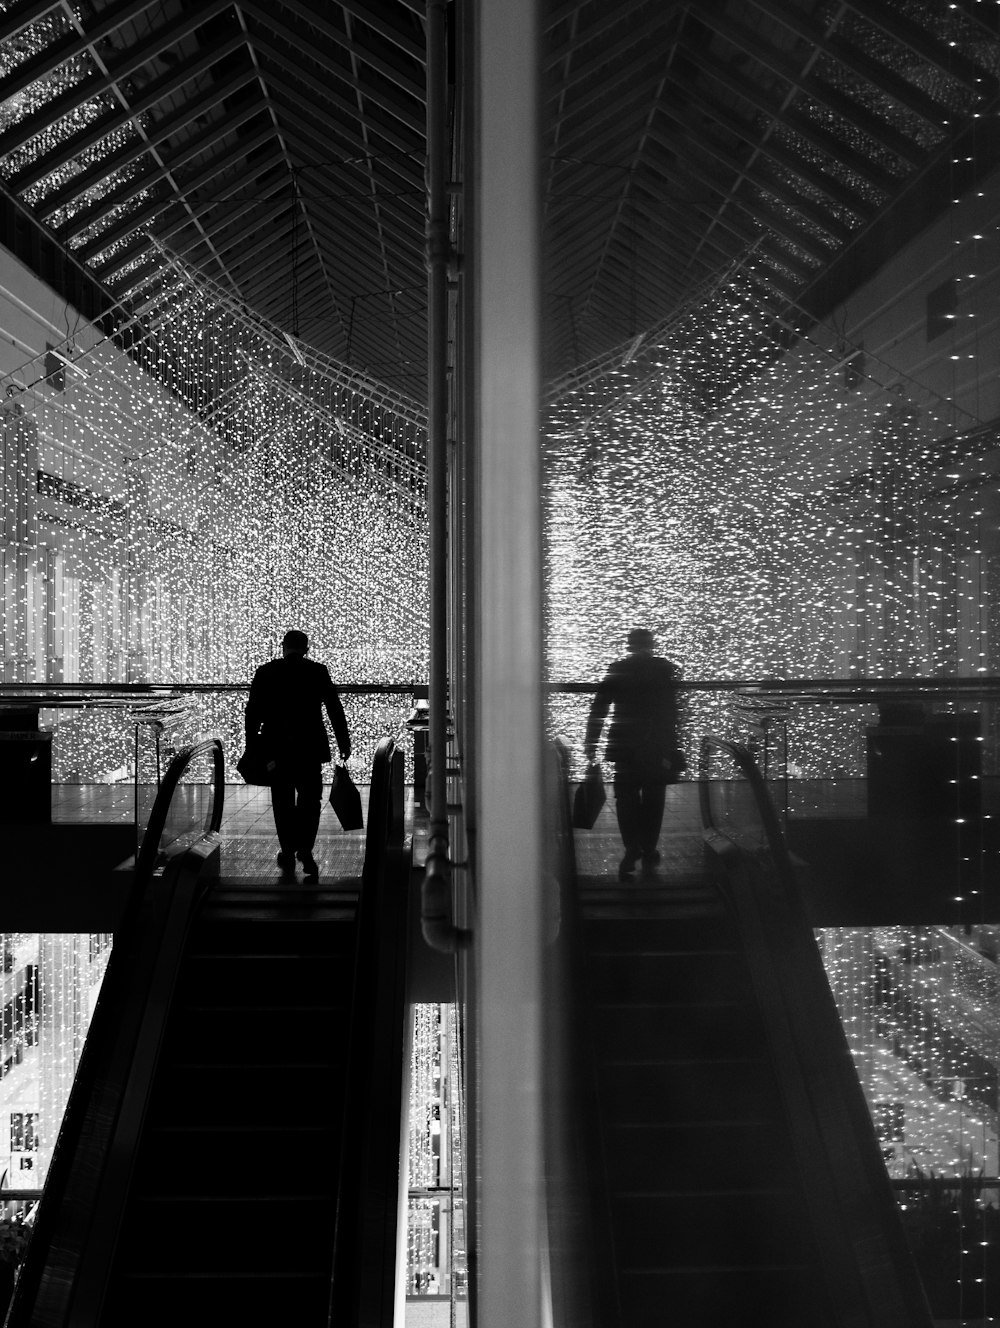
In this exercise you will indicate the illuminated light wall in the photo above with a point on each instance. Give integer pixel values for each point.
(919, 1008)
(436, 1260)
(826, 505)
(168, 514)
(48, 990)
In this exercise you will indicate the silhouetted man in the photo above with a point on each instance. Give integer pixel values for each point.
(642, 743)
(284, 716)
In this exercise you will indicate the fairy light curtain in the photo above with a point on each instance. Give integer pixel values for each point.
(190, 510)
(765, 516)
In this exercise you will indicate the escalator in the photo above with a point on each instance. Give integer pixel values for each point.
(725, 1168)
(704, 1194)
(232, 1208)
(230, 1149)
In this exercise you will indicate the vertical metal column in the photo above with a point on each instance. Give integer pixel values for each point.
(508, 857)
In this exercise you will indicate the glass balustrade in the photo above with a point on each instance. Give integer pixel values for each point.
(436, 1262)
(48, 991)
(919, 1004)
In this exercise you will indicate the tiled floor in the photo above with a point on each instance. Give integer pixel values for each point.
(249, 844)
(599, 851)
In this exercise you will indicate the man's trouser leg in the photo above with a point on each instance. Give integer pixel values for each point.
(309, 783)
(283, 809)
(628, 808)
(653, 799)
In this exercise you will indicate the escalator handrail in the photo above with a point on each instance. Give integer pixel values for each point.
(816, 1074)
(763, 805)
(149, 849)
(575, 1128)
(106, 1070)
(358, 1271)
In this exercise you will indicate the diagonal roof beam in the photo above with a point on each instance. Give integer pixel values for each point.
(49, 59)
(22, 16)
(269, 17)
(609, 16)
(803, 126)
(855, 61)
(164, 129)
(773, 148)
(158, 207)
(103, 208)
(925, 46)
(112, 120)
(322, 88)
(812, 87)
(94, 84)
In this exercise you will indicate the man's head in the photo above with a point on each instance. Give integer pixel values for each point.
(641, 639)
(294, 643)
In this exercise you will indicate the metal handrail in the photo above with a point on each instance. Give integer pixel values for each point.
(149, 850)
(364, 1255)
(134, 996)
(762, 800)
(869, 1265)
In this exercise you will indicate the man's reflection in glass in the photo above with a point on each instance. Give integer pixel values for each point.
(642, 742)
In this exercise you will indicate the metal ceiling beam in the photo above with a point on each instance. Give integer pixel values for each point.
(810, 86)
(364, 14)
(856, 62)
(608, 58)
(322, 88)
(316, 130)
(157, 134)
(608, 16)
(922, 43)
(772, 147)
(95, 84)
(269, 16)
(133, 221)
(86, 138)
(49, 58)
(835, 149)
(23, 15)
(755, 180)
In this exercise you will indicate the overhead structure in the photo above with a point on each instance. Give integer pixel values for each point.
(279, 150)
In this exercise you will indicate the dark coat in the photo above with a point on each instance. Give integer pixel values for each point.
(642, 692)
(285, 709)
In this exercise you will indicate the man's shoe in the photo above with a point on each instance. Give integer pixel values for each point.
(286, 861)
(627, 866)
(649, 861)
(309, 866)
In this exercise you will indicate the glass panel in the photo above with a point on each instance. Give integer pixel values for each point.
(436, 1263)
(49, 988)
(921, 1009)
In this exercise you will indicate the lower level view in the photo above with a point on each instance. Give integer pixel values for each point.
(265, 1115)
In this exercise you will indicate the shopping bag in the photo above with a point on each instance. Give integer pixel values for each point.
(254, 766)
(675, 765)
(589, 798)
(345, 799)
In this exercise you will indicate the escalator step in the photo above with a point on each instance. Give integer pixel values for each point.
(264, 979)
(636, 934)
(697, 1156)
(687, 1091)
(210, 1035)
(260, 1301)
(208, 1095)
(232, 1237)
(222, 933)
(724, 1231)
(232, 1162)
(686, 1030)
(665, 978)
(780, 1297)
